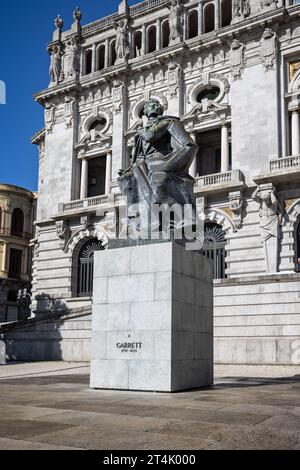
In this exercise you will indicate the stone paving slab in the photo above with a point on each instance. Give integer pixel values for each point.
(50, 406)
(20, 369)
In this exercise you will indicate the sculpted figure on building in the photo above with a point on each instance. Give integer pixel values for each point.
(240, 10)
(270, 220)
(71, 60)
(55, 70)
(175, 21)
(58, 22)
(122, 47)
(77, 15)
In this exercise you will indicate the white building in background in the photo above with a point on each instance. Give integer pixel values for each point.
(231, 72)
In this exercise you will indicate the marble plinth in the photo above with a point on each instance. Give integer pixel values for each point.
(152, 325)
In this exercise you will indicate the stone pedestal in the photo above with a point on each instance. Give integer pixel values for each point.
(152, 326)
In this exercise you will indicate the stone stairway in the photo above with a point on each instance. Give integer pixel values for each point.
(56, 337)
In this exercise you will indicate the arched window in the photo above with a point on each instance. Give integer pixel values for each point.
(101, 57)
(210, 93)
(85, 275)
(226, 12)
(17, 223)
(165, 34)
(214, 248)
(193, 24)
(113, 54)
(152, 39)
(209, 18)
(88, 62)
(137, 44)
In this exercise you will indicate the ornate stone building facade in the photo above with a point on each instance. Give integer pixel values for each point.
(17, 213)
(231, 71)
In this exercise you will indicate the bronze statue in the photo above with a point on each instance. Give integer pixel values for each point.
(159, 171)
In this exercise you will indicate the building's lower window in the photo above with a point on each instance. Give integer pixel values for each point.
(214, 248)
(15, 263)
(209, 158)
(85, 276)
(97, 172)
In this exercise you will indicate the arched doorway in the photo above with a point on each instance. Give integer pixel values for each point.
(85, 275)
(214, 248)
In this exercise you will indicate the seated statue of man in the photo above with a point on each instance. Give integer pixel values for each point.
(159, 171)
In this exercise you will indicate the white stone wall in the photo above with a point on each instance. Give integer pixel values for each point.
(257, 320)
(57, 171)
(255, 112)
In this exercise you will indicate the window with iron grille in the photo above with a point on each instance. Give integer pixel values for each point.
(86, 267)
(214, 248)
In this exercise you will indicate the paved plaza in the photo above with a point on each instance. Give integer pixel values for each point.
(50, 406)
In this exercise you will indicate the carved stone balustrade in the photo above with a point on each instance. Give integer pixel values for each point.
(219, 182)
(281, 170)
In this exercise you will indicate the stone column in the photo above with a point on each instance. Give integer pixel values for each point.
(158, 34)
(4, 263)
(193, 167)
(84, 178)
(185, 33)
(217, 14)
(94, 58)
(200, 19)
(108, 172)
(106, 59)
(82, 62)
(224, 149)
(295, 132)
(144, 39)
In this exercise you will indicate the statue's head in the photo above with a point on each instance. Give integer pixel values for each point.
(153, 108)
(265, 195)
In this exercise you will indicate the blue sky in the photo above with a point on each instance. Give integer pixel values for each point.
(26, 29)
